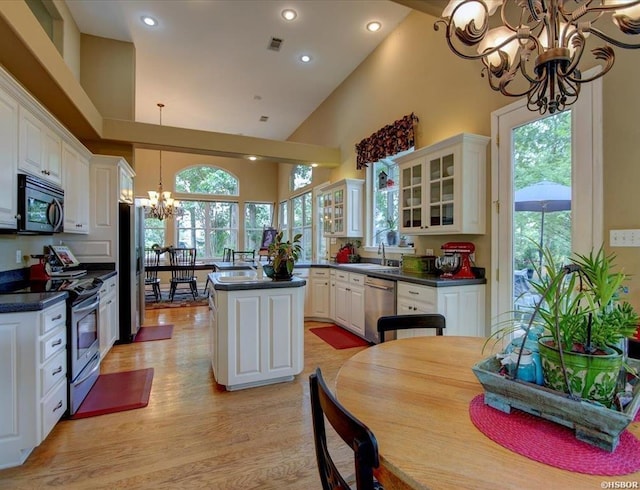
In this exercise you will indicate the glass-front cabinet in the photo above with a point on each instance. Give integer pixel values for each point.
(342, 205)
(442, 187)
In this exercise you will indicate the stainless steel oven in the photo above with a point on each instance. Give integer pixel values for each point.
(84, 346)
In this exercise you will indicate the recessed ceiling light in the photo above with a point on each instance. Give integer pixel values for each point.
(149, 21)
(253, 158)
(305, 58)
(314, 165)
(289, 14)
(374, 26)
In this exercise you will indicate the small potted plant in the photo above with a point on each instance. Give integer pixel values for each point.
(584, 324)
(283, 255)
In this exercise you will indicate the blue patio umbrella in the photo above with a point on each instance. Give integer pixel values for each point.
(543, 197)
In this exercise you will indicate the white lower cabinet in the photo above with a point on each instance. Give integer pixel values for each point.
(332, 295)
(256, 336)
(318, 290)
(33, 379)
(303, 273)
(108, 316)
(462, 306)
(349, 295)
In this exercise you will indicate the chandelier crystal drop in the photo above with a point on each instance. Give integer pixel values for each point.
(541, 49)
(160, 204)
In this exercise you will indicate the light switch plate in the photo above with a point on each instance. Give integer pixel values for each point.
(624, 238)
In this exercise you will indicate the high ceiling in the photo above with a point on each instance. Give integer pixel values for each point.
(208, 60)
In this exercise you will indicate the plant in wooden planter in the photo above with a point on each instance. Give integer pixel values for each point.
(283, 255)
(584, 325)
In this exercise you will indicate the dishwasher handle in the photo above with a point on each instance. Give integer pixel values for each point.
(376, 286)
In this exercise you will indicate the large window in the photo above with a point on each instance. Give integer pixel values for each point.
(153, 232)
(209, 226)
(205, 179)
(283, 218)
(256, 217)
(301, 176)
(302, 222)
(384, 178)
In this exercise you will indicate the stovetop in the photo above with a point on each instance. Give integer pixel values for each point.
(78, 289)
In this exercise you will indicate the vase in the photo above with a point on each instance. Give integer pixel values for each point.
(282, 273)
(392, 238)
(592, 377)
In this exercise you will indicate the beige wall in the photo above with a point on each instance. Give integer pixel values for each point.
(108, 75)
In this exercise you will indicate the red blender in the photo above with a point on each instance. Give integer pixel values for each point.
(462, 250)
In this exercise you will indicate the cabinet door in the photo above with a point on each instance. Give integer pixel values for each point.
(31, 144)
(442, 190)
(76, 191)
(52, 158)
(327, 213)
(8, 161)
(357, 309)
(319, 296)
(339, 211)
(342, 303)
(411, 196)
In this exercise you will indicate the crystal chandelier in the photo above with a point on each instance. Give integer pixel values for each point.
(160, 204)
(538, 49)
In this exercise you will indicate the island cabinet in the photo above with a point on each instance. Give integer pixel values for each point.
(462, 306)
(108, 316)
(33, 377)
(342, 209)
(256, 336)
(349, 307)
(442, 187)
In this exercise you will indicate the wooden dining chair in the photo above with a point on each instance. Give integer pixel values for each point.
(353, 432)
(403, 322)
(151, 261)
(226, 254)
(243, 255)
(183, 263)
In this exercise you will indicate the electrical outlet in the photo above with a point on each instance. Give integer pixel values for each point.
(430, 251)
(18, 256)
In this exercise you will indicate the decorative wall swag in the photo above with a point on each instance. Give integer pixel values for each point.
(391, 139)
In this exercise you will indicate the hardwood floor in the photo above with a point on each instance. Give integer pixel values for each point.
(193, 434)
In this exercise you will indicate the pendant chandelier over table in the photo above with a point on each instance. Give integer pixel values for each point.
(538, 50)
(160, 204)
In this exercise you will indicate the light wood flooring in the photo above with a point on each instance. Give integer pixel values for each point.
(193, 434)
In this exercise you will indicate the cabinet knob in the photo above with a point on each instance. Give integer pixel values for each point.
(56, 342)
(56, 371)
(57, 317)
(58, 406)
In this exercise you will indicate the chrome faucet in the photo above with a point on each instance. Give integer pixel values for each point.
(384, 257)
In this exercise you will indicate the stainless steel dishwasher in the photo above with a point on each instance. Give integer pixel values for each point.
(379, 300)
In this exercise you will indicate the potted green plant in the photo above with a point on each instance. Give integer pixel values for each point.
(283, 255)
(584, 322)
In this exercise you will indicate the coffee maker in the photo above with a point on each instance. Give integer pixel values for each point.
(462, 251)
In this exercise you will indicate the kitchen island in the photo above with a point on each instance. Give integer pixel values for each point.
(256, 329)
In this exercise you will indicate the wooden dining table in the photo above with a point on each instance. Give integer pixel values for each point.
(414, 394)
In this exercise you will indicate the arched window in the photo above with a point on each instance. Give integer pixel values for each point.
(301, 176)
(205, 179)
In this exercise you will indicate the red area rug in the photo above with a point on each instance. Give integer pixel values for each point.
(117, 392)
(156, 332)
(553, 444)
(338, 337)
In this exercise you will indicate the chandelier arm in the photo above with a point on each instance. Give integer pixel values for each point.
(603, 9)
(611, 40)
(605, 54)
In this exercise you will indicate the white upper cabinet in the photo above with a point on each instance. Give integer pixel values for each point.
(8, 161)
(443, 187)
(342, 209)
(39, 148)
(76, 190)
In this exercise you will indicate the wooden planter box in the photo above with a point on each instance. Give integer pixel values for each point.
(593, 423)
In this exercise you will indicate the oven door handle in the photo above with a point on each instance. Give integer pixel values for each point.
(93, 370)
(92, 306)
(55, 214)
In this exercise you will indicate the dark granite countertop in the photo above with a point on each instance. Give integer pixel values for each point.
(11, 302)
(214, 277)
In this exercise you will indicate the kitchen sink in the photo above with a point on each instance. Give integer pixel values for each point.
(242, 278)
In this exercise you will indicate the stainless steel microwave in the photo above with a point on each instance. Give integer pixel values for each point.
(40, 206)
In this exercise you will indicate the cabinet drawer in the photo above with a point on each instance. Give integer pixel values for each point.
(53, 343)
(109, 286)
(342, 276)
(415, 292)
(53, 371)
(357, 279)
(54, 317)
(52, 408)
(319, 273)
